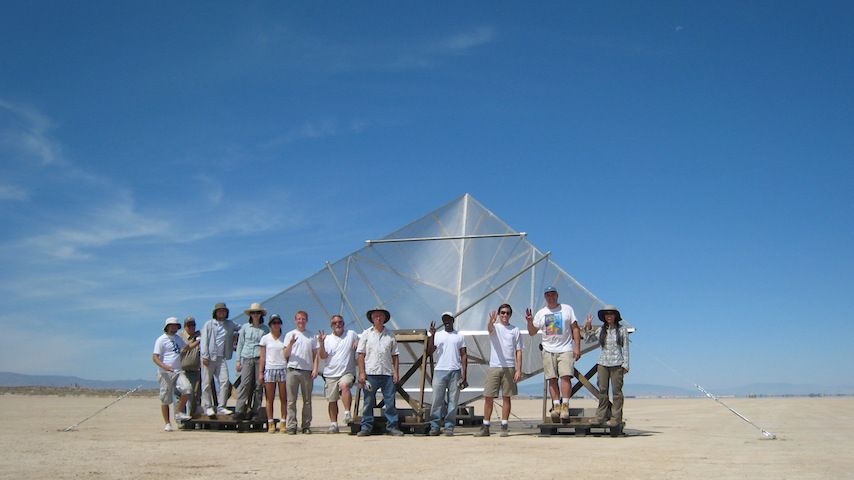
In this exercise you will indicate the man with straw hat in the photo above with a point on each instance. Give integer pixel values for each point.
(378, 369)
(217, 347)
(167, 357)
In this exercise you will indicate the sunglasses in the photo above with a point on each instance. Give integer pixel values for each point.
(505, 312)
(190, 324)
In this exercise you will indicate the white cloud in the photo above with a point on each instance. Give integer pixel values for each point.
(101, 226)
(13, 193)
(24, 135)
(317, 129)
(462, 43)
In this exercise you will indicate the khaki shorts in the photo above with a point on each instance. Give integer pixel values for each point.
(500, 377)
(558, 364)
(171, 381)
(334, 386)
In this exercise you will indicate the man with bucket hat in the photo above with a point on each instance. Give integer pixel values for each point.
(217, 348)
(378, 359)
(167, 357)
(561, 348)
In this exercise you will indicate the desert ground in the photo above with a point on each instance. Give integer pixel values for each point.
(679, 438)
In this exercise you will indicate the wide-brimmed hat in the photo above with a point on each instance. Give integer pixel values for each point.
(256, 307)
(371, 312)
(609, 308)
(171, 321)
(217, 307)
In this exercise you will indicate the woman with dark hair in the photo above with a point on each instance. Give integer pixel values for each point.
(272, 371)
(613, 362)
(248, 353)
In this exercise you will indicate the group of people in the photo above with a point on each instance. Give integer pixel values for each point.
(192, 366)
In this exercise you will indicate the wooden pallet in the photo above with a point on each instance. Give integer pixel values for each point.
(467, 418)
(227, 422)
(407, 425)
(580, 427)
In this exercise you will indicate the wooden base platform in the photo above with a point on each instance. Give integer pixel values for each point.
(408, 425)
(227, 422)
(467, 418)
(579, 426)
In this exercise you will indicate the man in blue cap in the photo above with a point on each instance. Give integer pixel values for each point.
(561, 348)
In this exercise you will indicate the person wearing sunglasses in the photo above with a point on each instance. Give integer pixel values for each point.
(338, 350)
(272, 371)
(505, 367)
(561, 348)
(191, 363)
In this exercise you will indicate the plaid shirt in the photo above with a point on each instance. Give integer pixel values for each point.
(613, 355)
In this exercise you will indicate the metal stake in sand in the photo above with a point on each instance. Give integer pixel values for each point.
(768, 435)
(74, 427)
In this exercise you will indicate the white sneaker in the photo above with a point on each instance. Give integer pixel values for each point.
(210, 412)
(222, 411)
(168, 427)
(182, 417)
(348, 418)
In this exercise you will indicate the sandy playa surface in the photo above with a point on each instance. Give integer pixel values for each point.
(694, 438)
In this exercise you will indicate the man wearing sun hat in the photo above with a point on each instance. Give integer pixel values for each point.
(167, 357)
(378, 369)
(216, 348)
(561, 348)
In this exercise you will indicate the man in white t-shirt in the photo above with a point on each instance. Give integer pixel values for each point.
(449, 374)
(301, 352)
(561, 348)
(505, 367)
(339, 373)
(167, 357)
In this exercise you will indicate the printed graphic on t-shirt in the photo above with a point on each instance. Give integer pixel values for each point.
(553, 324)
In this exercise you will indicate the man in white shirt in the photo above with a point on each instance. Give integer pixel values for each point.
(339, 373)
(378, 369)
(301, 352)
(449, 374)
(561, 348)
(505, 367)
(217, 346)
(167, 356)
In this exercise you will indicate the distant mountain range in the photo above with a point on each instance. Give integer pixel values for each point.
(531, 388)
(10, 379)
(757, 389)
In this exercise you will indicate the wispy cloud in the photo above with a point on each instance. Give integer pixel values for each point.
(314, 130)
(13, 193)
(101, 226)
(465, 42)
(24, 135)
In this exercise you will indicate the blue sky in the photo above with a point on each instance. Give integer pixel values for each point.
(689, 162)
